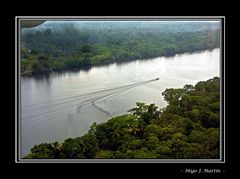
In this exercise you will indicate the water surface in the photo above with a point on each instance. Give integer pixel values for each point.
(63, 105)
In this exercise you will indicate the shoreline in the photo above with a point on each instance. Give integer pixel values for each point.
(88, 67)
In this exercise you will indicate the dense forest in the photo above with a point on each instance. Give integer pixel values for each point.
(188, 127)
(60, 46)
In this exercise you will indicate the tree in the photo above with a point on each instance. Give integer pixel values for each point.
(105, 154)
(86, 48)
(188, 87)
(172, 94)
(89, 145)
(135, 144)
(144, 112)
(153, 130)
(163, 152)
(142, 153)
(71, 148)
(41, 151)
(152, 142)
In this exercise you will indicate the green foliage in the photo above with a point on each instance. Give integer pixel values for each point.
(71, 47)
(142, 153)
(151, 142)
(187, 128)
(153, 130)
(105, 154)
(146, 113)
(41, 151)
(135, 144)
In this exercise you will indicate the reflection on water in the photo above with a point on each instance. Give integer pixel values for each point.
(64, 104)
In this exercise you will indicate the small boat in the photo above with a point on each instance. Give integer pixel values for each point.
(157, 79)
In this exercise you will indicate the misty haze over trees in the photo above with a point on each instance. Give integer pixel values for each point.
(57, 45)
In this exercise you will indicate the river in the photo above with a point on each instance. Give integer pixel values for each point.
(63, 105)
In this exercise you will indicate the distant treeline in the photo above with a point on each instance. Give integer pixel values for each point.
(70, 47)
(187, 128)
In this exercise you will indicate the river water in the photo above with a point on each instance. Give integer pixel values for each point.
(63, 105)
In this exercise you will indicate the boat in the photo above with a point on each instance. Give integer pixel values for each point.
(157, 79)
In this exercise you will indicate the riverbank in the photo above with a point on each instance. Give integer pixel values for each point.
(57, 50)
(107, 62)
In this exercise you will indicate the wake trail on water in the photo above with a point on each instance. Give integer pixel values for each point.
(86, 94)
(107, 113)
(66, 103)
(69, 104)
(57, 112)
